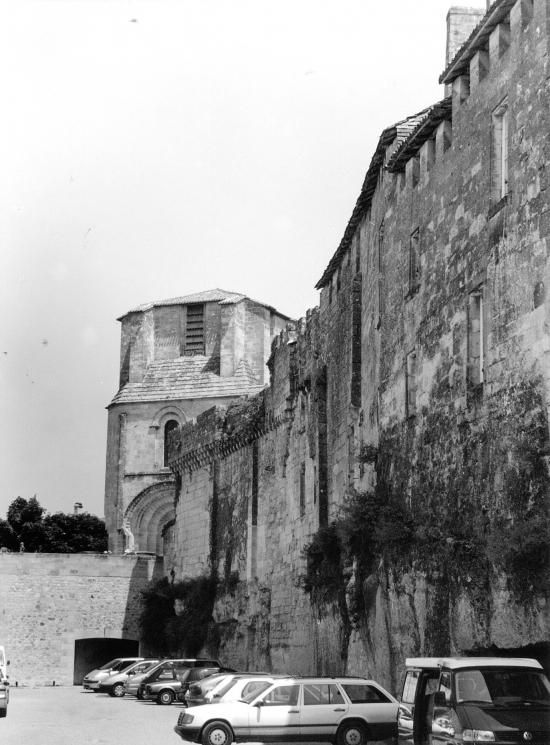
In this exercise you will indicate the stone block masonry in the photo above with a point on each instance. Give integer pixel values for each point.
(48, 602)
(417, 396)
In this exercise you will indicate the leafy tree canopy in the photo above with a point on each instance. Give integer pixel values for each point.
(28, 528)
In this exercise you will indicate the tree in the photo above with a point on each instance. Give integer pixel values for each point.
(72, 533)
(8, 537)
(23, 511)
(58, 533)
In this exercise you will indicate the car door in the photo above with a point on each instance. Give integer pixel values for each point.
(405, 713)
(275, 715)
(375, 705)
(323, 708)
(413, 726)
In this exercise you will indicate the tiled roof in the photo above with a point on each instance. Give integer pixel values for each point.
(398, 133)
(477, 40)
(188, 378)
(207, 296)
(426, 125)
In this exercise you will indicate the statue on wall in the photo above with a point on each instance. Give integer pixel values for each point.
(130, 542)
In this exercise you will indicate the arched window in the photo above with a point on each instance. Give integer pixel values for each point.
(170, 426)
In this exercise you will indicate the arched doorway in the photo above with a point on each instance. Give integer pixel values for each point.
(149, 513)
(96, 651)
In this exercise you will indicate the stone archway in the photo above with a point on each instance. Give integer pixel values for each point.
(148, 514)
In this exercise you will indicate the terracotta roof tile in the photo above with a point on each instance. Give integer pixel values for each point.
(394, 134)
(188, 378)
(223, 297)
(477, 40)
(425, 126)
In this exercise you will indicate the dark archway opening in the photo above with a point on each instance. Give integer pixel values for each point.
(94, 652)
(539, 651)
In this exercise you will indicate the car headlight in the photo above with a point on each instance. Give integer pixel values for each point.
(478, 735)
(185, 718)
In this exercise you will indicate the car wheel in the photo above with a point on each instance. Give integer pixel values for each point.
(118, 690)
(165, 698)
(3, 713)
(352, 733)
(217, 733)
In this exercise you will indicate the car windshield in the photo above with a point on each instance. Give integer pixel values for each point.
(505, 687)
(142, 667)
(109, 665)
(123, 664)
(251, 689)
(251, 695)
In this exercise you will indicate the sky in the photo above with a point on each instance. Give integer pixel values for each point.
(155, 149)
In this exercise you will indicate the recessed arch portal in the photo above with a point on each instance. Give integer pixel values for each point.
(148, 514)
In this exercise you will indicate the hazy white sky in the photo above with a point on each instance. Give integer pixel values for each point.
(153, 149)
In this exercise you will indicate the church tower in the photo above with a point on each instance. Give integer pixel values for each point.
(178, 357)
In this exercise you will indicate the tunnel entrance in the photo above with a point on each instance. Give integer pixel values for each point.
(539, 651)
(94, 652)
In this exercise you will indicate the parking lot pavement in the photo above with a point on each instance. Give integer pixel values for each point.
(72, 716)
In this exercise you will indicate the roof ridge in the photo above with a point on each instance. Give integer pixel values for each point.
(476, 39)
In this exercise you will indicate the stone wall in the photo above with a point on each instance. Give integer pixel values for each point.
(416, 397)
(49, 601)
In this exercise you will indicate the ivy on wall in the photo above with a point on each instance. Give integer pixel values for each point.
(475, 502)
(176, 617)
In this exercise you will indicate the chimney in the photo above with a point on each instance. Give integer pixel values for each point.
(460, 24)
(77, 507)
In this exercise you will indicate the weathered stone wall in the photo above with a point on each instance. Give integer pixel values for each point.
(394, 390)
(237, 342)
(49, 601)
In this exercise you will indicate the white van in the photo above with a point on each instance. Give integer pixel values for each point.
(4, 684)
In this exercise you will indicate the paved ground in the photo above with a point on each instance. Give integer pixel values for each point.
(70, 716)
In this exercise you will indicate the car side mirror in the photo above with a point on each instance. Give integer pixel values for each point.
(259, 704)
(440, 700)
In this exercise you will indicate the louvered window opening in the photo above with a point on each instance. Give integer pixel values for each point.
(194, 332)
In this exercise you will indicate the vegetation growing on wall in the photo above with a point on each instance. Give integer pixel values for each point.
(28, 528)
(176, 617)
(475, 502)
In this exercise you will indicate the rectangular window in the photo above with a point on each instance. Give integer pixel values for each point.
(499, 162)
(194, 330)
(409, 687)
(302, 489)
(254, 484)
(356, 345)
(364, 694)
(322, 694)
(475, 337)
(380, 251)
(410, 382)
(414, 261)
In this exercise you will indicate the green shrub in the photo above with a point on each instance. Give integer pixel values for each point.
(182, 633)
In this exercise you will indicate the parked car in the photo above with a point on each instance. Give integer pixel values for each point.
(4, 696)
(474, 699)
(4, 683)
(242, 687)
(135, 685)
(114, 684)
(94, 677)
(227, 688)
(172, 685)
(196, 695)
(4, 662)
(348, 711)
